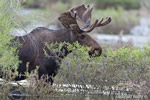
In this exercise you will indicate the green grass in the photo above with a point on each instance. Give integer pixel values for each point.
(126, 4)
(121, 20)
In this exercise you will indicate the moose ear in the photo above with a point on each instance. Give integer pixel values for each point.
(64, 18)
(73, 19)
(68, 21)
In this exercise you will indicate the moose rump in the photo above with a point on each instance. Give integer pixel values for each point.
(31, 52)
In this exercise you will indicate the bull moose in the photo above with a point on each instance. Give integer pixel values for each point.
(76, 22)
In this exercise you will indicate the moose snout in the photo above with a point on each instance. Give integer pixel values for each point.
(95, 52)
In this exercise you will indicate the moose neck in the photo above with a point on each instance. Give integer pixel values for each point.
(42, 35)
(65, 35)
(68, 36)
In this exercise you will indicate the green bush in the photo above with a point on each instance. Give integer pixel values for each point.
(114, 66)
(34, 3)
(126, 4)
(60, 7)
(8, 54)
(120, 20)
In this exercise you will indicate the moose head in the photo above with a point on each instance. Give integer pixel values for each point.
(77, 23)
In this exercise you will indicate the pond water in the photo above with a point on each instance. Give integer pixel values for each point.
(143, 28)
(65, 92)
(79, 97)
(139, 35)
(17, 95)
(136, 40)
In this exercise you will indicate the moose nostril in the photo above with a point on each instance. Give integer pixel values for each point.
(96, 52)
(90, 53)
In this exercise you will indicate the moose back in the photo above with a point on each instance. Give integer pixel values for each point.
(31, 52)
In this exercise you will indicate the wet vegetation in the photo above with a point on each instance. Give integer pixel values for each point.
(125, 69)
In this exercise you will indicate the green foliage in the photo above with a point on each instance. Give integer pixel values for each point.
(120, 20)
(127, 4)
(8, 54)
(30, 2)
(133, 62)
(112, 67)
(33, 3)
(60, 7)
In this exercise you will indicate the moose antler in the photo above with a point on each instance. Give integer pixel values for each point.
(83, 15)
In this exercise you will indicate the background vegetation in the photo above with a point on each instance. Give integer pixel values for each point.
(8, 53)
(124, 13)
(126, 4)
(127, 65)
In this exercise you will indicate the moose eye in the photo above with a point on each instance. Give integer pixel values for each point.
(82, 36)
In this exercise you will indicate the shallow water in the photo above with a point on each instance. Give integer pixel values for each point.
(79, 96)
(143, 28)
(65, 92)
(136, 40)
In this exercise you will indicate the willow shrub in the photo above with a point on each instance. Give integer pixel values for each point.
(8, 54)
(112, 67)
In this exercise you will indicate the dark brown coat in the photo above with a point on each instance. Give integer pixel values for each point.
(32, 44)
